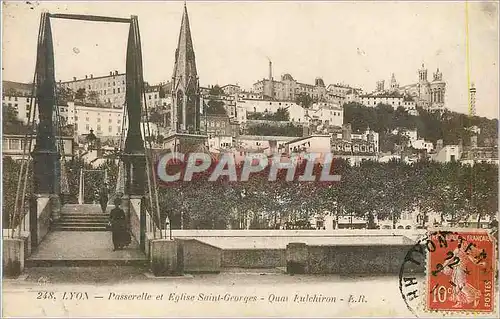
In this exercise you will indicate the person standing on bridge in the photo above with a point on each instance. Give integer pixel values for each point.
(103, 198)
(119, 229)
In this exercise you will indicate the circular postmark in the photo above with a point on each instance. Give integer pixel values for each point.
(450, 272)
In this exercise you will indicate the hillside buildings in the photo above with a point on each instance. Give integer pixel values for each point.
(470, 155)
(108, 90)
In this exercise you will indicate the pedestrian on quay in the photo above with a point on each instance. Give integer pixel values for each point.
(119, 229)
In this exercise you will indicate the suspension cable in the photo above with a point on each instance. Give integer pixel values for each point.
(154, 192)
(16, 216)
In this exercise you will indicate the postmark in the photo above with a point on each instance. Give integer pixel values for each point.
(450, 271)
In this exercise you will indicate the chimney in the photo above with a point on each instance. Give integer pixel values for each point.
(271, 79)
(85, 76)
(270, 70)
(116, 72)
(74, 78)
(91, 76)
(110, 73)
(439, 145)
(473, 141)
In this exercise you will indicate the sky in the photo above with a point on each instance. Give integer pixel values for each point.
(355, 43)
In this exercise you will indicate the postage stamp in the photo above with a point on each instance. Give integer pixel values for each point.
(461, 268)
(450, 271)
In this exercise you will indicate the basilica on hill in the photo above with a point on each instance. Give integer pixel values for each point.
(428, 95)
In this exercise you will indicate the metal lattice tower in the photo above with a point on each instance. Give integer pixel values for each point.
(472, 94)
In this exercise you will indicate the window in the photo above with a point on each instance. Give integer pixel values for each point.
(118, 90)
(110, 120)
(14, 144)
(87, 119)
(119, 121)
(15, 98)
(110, 129)
(87, 127)
(98, 119)
(76, 118)
(99, 128)
(118, 129)
(104, 92)
(114, 91)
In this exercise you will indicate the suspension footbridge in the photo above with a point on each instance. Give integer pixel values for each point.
(53, 230)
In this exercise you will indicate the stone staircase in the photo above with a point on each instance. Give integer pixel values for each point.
(87, 217)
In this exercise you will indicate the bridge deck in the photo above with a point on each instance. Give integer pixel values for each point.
(80, 247)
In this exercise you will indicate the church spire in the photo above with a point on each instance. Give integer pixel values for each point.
(185, 88)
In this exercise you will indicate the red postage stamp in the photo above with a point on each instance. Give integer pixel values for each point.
(461, 267)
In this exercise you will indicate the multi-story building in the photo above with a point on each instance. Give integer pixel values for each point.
(220, 143)
(108, 90)
(341, 93)
(231, 89)
(263, 106)
(479, 154)
(448, 153)
(13, 146)
(20, 103)
(215, 125)
(355, 148)
(103, 121)
(288, 89)
(250, 95)
(12, 88)
(309, 144)
(260, 144)
(326, 114)
(421, 144)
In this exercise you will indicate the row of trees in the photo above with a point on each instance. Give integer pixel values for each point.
(373, 189)
(384, 190)
(65, 95)
(281, 114)
(264, 129)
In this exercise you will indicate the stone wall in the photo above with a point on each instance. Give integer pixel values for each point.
(253, 258)
(13, 257)
(357, 259)
(200, 257)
